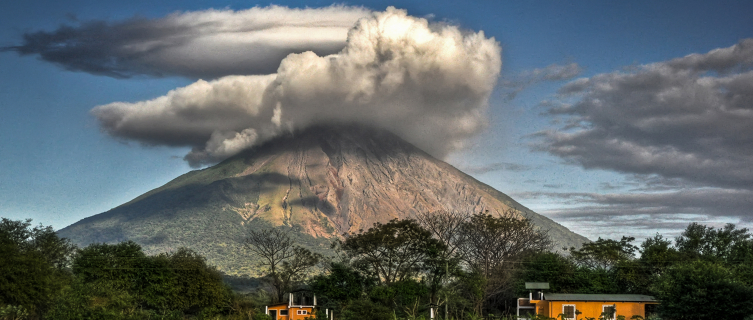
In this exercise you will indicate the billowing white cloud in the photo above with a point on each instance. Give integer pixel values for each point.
(200, 44)
(428, 83)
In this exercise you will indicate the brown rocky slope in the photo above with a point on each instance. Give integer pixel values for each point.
(322, 182)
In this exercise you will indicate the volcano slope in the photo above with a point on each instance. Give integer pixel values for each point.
(321, 182)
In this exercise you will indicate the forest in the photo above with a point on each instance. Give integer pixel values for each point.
(463, 266)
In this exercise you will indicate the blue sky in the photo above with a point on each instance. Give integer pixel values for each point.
(58, 166)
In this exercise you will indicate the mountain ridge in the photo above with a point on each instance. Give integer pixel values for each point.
(321, 182)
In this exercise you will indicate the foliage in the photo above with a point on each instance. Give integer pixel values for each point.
(492, 246)
(339, 286)
(555, 269)
(728, 244)
(702, 290)
(604, 253)
(365, 309)
(471, 266)
(120, 281)
(10, 312)
(392, 252)
(32, 265)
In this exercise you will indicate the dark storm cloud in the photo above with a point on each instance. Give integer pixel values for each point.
(689, 118)
(200, 44)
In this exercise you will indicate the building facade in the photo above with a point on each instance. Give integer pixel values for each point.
(582, 306)
(300, 306)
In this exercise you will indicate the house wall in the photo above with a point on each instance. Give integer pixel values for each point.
(293, 312)
(591, 309)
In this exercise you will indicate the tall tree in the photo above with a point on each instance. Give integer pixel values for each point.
(493, 245)
(32, 264)
(392, 252)
(492, 241)
(445, 226)
(285, 262)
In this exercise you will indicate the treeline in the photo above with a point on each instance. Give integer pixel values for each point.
(45, 277)
(462, 266)
(476, 266)
(706, 273)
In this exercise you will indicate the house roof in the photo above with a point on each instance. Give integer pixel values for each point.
(537, 285)
(598, 297)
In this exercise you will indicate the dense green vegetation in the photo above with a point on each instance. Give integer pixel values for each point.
(466, 267)
(45, 277)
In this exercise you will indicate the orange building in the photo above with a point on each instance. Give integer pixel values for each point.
(300, 306)
(582, 306)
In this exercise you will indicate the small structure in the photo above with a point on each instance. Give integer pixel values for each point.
(580, 306)
(300, 305)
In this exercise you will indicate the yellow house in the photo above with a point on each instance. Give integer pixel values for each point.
(582, 306)
(300, 306)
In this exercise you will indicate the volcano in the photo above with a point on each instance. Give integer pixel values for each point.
(321, 182)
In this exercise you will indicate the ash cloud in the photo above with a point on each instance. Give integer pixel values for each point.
(428, 83)
(201, 44)
(689, 118)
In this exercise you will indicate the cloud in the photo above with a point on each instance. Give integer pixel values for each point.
(706, 201)
(428, 83)
(689, 118)
(497, 166)
(200, 44)
(555, 72)
(642, 214)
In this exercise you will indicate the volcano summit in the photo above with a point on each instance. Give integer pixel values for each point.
(322, 182)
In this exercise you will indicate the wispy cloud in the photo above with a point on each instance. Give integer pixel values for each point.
(706, 201)
(642, 214)
(513, 84)
(497, 166)
(200, 44)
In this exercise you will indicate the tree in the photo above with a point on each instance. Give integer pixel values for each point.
(339, 285)
(492, 241)
(285, 262)
(119, 264)
(32, 267)
(445, 226)
(553, 268)
(121, 279)
(196, 285)
(727, 244)
(702, 290)
(493, 245)
(604, 253)
(391, 252)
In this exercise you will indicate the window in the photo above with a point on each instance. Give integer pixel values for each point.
(284, 312)
(608, 311)
(302, 312)
(569, 311)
